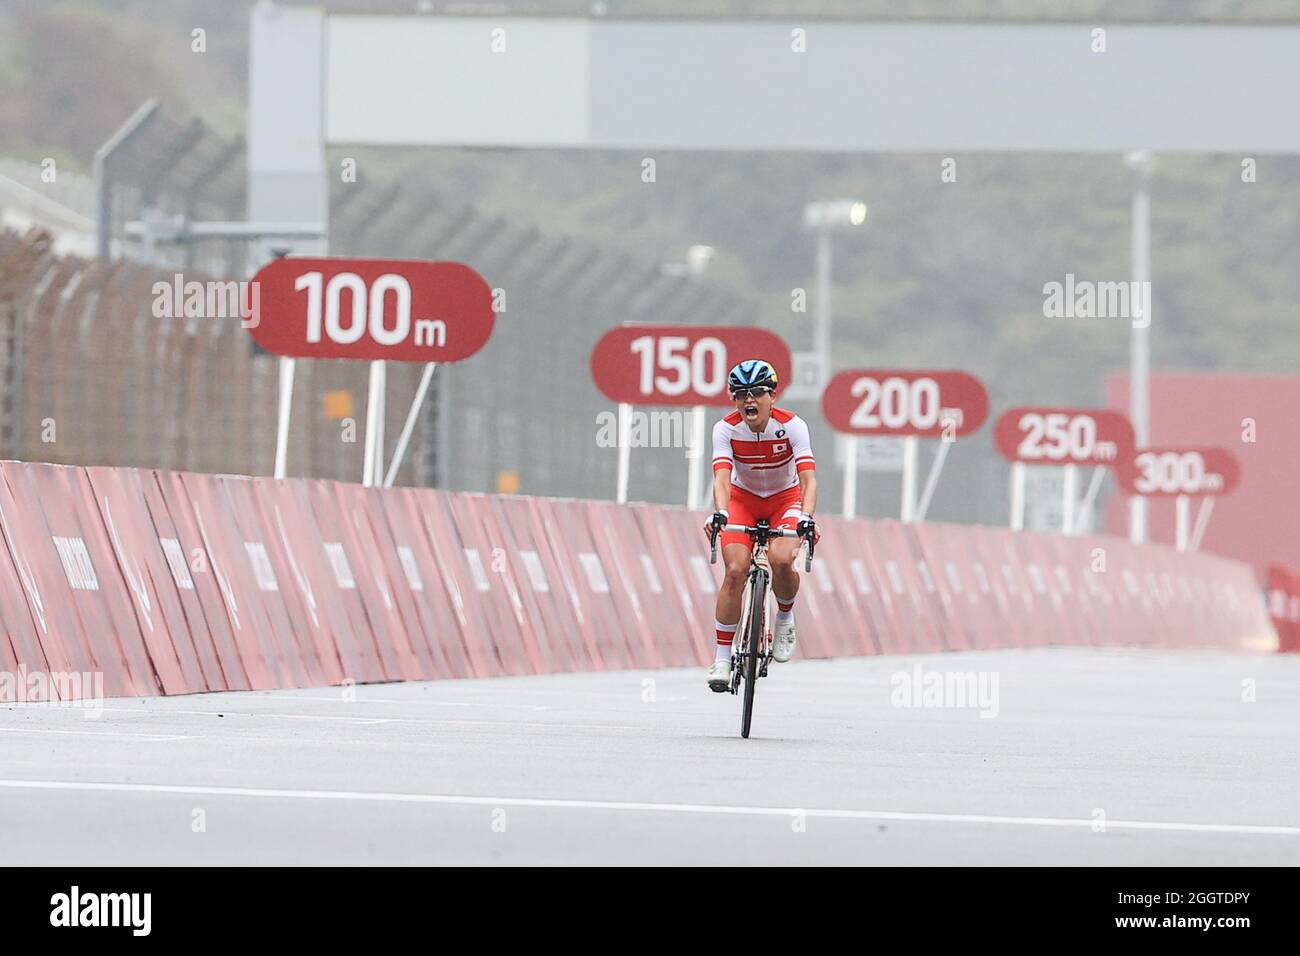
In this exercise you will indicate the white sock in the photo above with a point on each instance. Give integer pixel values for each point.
(784, 617)
(723, 652)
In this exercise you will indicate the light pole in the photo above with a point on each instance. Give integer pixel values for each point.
(104, 175)
(823, 217)
(697, 261)
(1139, 384)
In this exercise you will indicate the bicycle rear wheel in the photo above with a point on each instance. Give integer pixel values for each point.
(753, 646)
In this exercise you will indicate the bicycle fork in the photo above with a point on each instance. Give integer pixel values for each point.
(760, 581)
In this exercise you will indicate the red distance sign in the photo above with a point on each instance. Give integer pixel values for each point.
(1166, 472)
(680, 364)
(400, 310)
(1064, 436)
(928, 404)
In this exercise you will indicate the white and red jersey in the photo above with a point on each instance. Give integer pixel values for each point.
(765, 464)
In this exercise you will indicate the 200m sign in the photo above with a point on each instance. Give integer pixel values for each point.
(936, 404)
(393, 309)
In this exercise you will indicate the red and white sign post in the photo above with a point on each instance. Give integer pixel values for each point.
(379, 310)
(1069, 437)
(910, 404)
(1182, 474)
(677, 365)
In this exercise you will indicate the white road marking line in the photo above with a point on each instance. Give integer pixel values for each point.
(455, 721)
(433, 798)
(404, 700)
(254, 713)
(94, 733)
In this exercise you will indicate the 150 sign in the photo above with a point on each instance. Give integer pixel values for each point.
(680, 365)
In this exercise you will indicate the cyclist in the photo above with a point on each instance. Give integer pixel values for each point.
(763, 467)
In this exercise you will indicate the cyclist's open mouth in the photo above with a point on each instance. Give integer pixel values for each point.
(751, 411)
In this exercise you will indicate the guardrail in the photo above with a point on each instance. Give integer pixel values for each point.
(173, 583)
(1284, 606)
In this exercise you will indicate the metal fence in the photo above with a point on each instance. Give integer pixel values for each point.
(91, 376)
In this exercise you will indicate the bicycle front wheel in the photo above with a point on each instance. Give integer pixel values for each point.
(753, 647)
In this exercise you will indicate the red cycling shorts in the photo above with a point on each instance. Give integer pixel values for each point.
(781, 510)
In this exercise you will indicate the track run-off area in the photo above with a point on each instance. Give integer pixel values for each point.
(1064, 756)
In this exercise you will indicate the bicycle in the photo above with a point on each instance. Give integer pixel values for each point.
(749, 665)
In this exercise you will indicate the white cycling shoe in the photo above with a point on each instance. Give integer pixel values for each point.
(720, 676)
(784, 644)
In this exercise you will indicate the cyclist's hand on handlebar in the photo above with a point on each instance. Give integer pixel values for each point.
(714, 524)
(807, 526)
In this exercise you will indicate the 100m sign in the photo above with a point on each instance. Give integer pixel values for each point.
(372, 309)
(364, 318)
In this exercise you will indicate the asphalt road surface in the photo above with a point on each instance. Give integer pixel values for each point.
(1072, 757)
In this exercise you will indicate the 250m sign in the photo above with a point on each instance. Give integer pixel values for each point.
(1064, 436)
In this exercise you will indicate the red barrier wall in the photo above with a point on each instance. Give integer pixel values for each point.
(173, 583)
(1284, 606)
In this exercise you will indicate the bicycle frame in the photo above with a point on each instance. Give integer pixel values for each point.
(759, 578)
(748, 663)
